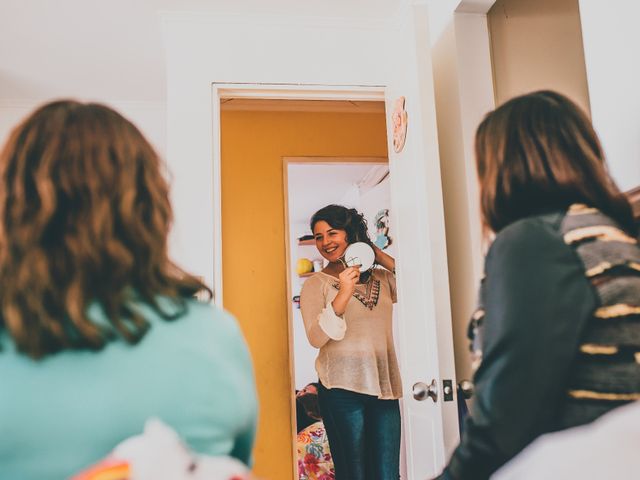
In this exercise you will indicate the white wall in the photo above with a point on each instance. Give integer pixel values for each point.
(110, 52)
(257, 49)
(463, 93)
(12, 113)
(611, 39)
(149, 117)
(304, 354)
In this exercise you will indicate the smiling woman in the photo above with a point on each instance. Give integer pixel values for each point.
(330, 242)
(348, 316)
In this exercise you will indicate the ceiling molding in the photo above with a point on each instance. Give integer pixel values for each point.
(34, 102)
(302, 21)
(475, 6)
(255, 105)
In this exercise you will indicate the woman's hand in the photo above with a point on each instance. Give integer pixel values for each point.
(348, 279)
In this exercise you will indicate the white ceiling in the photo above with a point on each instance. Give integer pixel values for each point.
(113, 49)
(313, 186)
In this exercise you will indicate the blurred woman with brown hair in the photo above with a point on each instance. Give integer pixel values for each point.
(99, 330)
(556, 336)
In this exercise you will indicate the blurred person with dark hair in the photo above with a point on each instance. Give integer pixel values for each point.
(307, 406)
(556, 337)
(99, 330)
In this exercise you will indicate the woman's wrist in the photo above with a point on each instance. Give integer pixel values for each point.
(338, 311)
(339, 303)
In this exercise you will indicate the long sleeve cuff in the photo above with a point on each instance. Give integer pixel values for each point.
(334, 326)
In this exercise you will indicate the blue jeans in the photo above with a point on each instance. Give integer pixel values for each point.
(364, 434)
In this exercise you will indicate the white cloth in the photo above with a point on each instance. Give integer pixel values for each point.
(606, 448)
(334, 326)
(159, 453)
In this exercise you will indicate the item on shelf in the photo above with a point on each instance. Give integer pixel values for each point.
(303, 266)
(317, 265)
(308, 236)
(296, 301)
(381, 221)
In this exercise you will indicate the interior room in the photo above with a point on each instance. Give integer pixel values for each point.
(263, 112)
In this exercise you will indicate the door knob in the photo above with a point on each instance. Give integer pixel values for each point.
(466, 388)
(421, 390)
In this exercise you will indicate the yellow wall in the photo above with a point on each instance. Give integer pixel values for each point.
(253, 245)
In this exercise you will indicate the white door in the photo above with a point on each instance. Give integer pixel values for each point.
(423, 311)
(426, 344)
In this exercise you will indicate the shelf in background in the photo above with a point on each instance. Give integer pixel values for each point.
(306, 242)
(308, 274)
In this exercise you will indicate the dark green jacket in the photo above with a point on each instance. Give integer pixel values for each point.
(556, 337)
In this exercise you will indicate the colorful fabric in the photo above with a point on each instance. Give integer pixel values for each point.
(110, 469)
(610, 342)
(314, 457)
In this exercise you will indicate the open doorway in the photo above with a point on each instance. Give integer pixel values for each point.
(250, 256)
(255, 137)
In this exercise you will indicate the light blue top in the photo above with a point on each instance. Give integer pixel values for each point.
(67, 411)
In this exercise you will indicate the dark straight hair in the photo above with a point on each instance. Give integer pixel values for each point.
(539, 153)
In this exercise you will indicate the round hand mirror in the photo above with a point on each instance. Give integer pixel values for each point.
(359, 253)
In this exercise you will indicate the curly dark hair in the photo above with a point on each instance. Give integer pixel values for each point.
(343, 218)
(84, 219)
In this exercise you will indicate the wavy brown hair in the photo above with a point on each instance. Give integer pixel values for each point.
(84, 219)
(539, 153)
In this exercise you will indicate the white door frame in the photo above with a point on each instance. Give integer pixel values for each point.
(261, 91)
(477, 97)
(255, 91)
(222, 91)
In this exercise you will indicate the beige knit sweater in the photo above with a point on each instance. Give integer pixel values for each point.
(356, 349)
